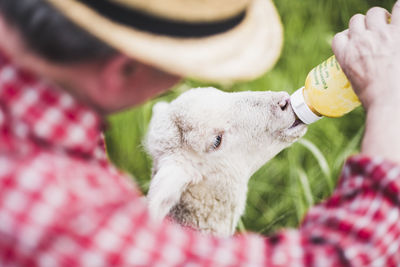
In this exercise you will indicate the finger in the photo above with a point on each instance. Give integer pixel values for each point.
(395, 20)
(339, 44)
(357, 25)
(377, 18)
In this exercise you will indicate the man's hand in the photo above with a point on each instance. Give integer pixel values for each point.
(369, 53)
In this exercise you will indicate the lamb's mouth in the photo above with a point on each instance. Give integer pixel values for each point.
(296, 123)
(294, 131)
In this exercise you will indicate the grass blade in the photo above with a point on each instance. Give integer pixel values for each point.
(305, 185)
(350, 148)
(323, 163)
(241, 226)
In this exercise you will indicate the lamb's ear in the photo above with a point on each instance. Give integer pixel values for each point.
(160, 107)
(167, 186)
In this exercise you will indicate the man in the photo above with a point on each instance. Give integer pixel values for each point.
(62, 204)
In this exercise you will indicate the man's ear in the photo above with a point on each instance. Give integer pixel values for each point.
(115, 74)
(167, 186)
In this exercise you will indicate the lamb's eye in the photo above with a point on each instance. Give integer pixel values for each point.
(217, 141)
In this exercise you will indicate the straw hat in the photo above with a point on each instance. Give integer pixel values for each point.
(213, 40)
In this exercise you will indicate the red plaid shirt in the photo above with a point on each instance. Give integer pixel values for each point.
(63, 204)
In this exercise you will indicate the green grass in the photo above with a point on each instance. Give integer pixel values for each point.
(281, 191)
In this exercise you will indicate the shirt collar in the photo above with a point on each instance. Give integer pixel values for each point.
(45, 114)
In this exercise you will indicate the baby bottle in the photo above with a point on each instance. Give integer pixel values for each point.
(327, 92)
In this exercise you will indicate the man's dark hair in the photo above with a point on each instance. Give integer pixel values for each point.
(49, 34)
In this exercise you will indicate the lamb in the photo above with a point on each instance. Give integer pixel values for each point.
(205, 145)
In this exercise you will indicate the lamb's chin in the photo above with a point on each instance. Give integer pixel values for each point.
(293, 133)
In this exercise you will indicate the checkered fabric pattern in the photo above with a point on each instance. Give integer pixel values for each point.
(63, 204)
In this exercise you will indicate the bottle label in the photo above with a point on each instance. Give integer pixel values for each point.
(328, 91)
(321, 72)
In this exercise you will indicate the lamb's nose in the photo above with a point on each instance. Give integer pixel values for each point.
(284, 104)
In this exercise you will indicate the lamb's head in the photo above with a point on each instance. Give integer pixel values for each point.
(206, 132)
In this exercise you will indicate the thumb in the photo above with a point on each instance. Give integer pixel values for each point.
(395, 20)
(339, 44)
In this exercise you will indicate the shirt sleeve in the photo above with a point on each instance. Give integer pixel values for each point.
(356, 226)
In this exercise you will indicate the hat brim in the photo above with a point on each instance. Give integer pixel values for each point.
(242, 53)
